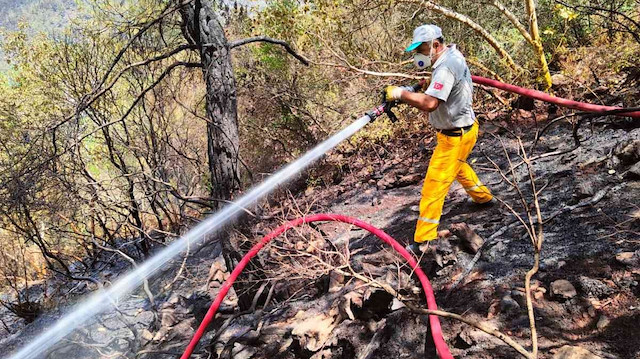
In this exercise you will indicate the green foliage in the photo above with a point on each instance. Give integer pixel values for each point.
(271, 57)
(282, 18)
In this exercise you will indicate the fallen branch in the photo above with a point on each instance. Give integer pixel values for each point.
(595, 199)
(546, 127)
(479, 325)
(348, 65)
(182, 266)
(484, 327)
(475, 259)
(133, 263)
(372, 73)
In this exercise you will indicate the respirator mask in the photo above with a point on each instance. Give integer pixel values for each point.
(422, 61)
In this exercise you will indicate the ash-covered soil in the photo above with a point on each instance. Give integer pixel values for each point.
(586, 293)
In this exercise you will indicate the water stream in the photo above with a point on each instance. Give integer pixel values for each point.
(102, 300)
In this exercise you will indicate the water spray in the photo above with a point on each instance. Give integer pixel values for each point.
(102, 300)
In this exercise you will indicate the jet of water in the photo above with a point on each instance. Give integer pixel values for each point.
(102, 300)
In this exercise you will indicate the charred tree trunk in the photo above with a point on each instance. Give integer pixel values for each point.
(202, 28)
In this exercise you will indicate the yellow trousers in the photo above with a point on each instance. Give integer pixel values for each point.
(448, 163)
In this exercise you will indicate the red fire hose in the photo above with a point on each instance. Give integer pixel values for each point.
(436, 331)
(539, 95)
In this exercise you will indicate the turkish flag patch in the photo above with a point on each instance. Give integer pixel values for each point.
(438, 86)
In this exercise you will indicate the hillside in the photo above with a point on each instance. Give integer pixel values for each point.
(39, 16)
(143, 156)
(588, 199)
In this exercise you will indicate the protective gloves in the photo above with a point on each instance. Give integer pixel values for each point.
(393, 93)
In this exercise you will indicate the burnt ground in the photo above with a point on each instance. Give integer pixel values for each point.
(591, 214)
(580, 245)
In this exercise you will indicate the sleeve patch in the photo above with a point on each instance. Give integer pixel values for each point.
(438, 86)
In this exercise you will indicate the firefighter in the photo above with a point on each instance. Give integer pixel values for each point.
(448, 100)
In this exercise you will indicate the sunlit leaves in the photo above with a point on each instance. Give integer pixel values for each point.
(565, 13)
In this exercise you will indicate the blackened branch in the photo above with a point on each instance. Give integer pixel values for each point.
(282, 43)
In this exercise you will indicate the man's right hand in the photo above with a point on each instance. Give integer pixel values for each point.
(392, 93)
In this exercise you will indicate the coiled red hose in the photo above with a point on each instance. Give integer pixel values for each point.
(539, 95)
(436, 331)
